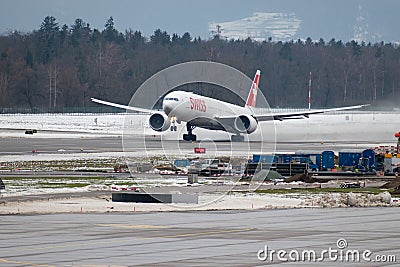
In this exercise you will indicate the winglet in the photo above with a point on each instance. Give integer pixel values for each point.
(252, 97)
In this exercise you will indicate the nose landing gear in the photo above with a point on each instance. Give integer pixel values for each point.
(173, 127)
(189, 136)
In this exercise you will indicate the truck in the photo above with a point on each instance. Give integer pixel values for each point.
(209, 167)
(389, 164)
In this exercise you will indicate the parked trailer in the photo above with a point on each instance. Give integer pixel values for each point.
(284, 169)
(327, 160)
(370, 155)
(312, 160)
(355, 161)
(349, 160)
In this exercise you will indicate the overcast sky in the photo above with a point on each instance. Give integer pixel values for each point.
(319, 18)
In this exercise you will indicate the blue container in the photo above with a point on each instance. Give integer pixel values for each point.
(370, 155)
(286, 158)
(181, 163)
(349, 159)
(264, 158)
(327, 160)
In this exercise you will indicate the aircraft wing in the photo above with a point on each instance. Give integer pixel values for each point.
(300, 114)
(290, 115)
(143, 110)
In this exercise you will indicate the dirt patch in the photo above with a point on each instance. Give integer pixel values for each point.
(394, 184)
(304, 178)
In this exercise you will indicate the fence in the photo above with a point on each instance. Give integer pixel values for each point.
(41, 110)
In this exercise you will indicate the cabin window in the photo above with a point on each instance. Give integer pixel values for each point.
(171, 98)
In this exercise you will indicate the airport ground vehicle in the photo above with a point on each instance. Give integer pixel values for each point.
(350, 185)
(210, 167)
(357, 161)
(363, 162)
(315, 161)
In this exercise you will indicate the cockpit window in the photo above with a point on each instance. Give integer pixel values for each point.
(171, 98)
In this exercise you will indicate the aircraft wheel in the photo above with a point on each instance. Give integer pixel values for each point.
(237, 138)
(189, 137)
(186, 137)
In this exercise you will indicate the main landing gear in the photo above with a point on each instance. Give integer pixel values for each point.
(189, 136)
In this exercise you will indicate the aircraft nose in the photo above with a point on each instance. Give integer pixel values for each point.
(167, 107)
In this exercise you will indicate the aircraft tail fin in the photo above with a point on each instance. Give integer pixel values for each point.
(252, 97)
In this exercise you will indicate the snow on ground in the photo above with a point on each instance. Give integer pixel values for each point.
(377, 127)
(30, 187)
(259, 26)
(64, 124)
(104, 204)
(66, 156)
(236, 201)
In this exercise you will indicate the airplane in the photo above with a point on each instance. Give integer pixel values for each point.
(212, 114)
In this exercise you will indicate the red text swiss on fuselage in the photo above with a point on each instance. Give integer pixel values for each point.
(198, 104)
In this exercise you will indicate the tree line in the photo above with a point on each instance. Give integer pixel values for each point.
(64, 66)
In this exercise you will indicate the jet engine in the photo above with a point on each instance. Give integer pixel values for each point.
(159, 122)
(245, 124)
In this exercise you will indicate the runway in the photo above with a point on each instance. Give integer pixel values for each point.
(13, 146)
(107, 145)
(222, 238)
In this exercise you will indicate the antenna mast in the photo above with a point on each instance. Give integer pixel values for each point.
(309, 92)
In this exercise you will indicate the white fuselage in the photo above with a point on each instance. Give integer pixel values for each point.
(202, 111)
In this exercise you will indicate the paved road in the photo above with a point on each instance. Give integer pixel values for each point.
(220, 238)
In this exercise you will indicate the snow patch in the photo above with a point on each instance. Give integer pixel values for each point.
(260, 26)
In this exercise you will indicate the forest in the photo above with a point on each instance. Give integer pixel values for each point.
(59, 66)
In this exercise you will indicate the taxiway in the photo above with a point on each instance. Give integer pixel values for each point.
(195, 238)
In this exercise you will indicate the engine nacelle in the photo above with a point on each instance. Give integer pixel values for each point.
(245, 124)
(159, 122)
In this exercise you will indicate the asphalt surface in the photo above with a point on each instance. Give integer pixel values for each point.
(217, 238)
(223, 238)
(19, 146)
